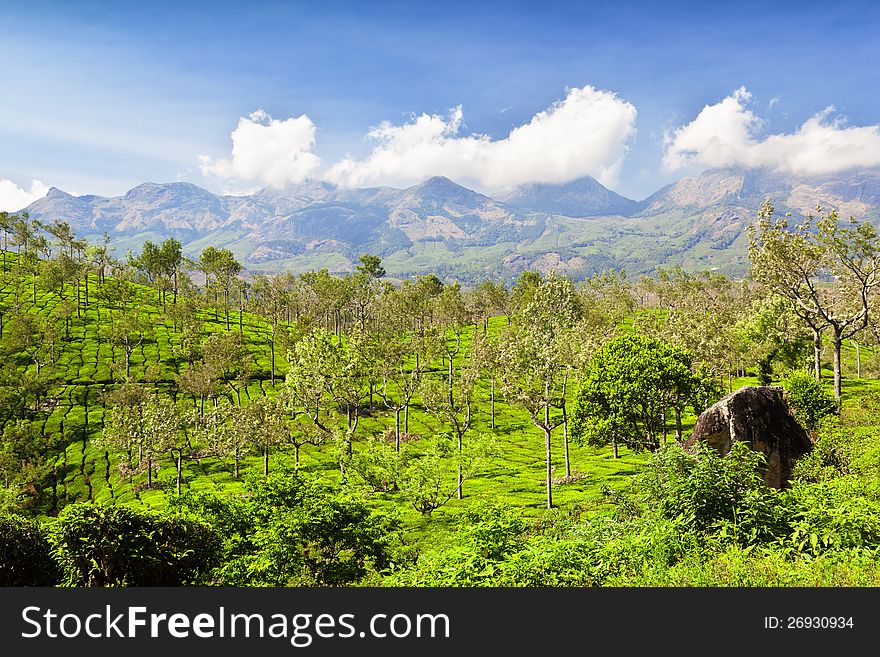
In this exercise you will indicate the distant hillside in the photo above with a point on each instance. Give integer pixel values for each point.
(438, 226)
(584, 197)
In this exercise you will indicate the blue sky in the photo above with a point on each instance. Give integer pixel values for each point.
(99, 97)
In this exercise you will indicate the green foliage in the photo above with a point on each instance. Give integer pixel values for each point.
(832, 455)
(379, 465)
(492, 527)
(98, 545)
(629, 384)
(354, 337)
(429, 480)
(809, 400)
(290, 531)
(838, 513)
(705, 492)
(25, 554)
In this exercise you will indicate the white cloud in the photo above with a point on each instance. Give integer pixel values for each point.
(727, 134)
(268, 151)
(14, 198)
(586, 133)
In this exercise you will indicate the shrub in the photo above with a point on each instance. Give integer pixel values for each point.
(291, 531)
(117, 546)
(832, 456)
(705, 492)
(808, 399)
(838, 513)
(492, 528)
(25, 554)
(378, 465)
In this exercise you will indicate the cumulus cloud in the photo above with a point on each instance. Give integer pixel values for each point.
(14, 198)
(586, 133)
(728, 133)
(267, 151)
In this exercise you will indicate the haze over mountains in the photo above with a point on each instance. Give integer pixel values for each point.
(577, 228)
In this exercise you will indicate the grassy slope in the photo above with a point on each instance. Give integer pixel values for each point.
(84, 472)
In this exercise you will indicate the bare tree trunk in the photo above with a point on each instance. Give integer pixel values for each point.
(858, 359)
(493, 402)
(678, 432)
(837, 371)
(549, 479)
(179, 470)
(565, 426)
(459, 493)
(397, 429)
(272, 350)
(266, 460)
(817, 353)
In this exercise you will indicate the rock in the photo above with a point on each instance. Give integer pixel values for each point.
(759, 416)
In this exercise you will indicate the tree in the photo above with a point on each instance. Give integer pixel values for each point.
(201, 381)
(698, 312)
(19, 450)
(5, 226)
(451, 401)
(629, 384)
(127, 331)
(270, 298)
(401, 361)
(171, 257)
(150, 263)
(531, 358)
(488, 299)
(126, 428)
(224, 268)
(262, 421)
(431, 479)
(370, 266)
(774, 337)
(228, 357)
(324, 371)
(187, 325)
(170, 430)
(524, 291)
(828, 273)
(28, 333)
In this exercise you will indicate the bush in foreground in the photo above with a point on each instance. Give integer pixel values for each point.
(98, 545)
(25, 554)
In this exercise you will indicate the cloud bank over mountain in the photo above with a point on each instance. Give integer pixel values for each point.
(269, 151)
(586, 133)
(728, 134)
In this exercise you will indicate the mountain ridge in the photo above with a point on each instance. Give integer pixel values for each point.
(578, 228)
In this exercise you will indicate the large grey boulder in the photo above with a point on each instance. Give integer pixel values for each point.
(759, 416)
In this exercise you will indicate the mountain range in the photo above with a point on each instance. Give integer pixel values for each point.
(438, 226)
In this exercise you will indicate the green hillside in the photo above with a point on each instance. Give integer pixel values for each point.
(316, 429)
